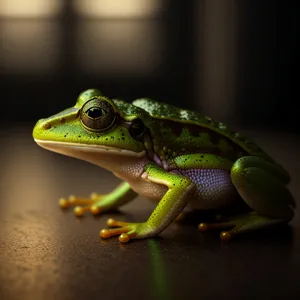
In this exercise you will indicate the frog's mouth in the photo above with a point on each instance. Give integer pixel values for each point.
(82, 151)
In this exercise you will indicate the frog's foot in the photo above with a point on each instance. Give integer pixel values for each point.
(240, 224)
(126, 230)
(98, 203)
(82, 205)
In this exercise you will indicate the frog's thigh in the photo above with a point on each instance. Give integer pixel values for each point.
(262, 186)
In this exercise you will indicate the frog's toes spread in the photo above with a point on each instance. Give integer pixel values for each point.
(225, 235)
(97, 203)
(126, 230)
(82, 205)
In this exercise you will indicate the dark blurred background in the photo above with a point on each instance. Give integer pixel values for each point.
(232, 60)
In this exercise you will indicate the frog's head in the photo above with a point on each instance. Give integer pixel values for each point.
(95, 129)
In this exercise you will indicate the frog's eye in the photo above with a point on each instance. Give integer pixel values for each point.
(98, 115)
(137, 129)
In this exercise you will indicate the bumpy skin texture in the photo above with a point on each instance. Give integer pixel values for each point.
(214, 187)
(205, 132)
(174, 156)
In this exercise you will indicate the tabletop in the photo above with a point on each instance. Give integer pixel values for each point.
(48, 253)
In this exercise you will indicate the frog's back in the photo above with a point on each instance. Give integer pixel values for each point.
(165, 111)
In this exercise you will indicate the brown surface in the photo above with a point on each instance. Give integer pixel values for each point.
(46, 253)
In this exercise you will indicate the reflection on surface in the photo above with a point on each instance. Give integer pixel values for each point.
(29, 46)
(159, 274)
(30, 9)
(117, 8)
(125, 47)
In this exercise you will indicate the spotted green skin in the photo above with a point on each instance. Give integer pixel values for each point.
(176, 140)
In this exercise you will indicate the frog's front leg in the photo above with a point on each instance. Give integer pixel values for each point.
(262, 185)
(100, 203)
(171, 204)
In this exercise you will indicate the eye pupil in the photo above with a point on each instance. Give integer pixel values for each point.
(95, 112)
(98, 114)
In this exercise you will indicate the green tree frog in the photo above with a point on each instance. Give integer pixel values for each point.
(174, 156)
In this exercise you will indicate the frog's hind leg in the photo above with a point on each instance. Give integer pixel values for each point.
(262, 186)
(241, 224)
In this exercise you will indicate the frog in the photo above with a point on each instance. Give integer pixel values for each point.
(179, 158)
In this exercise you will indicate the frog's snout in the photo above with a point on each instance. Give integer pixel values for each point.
(41, 127)
(42, 124)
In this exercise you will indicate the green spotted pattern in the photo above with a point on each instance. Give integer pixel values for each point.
(165, 111)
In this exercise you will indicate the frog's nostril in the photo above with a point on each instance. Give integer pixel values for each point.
(46, 125)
